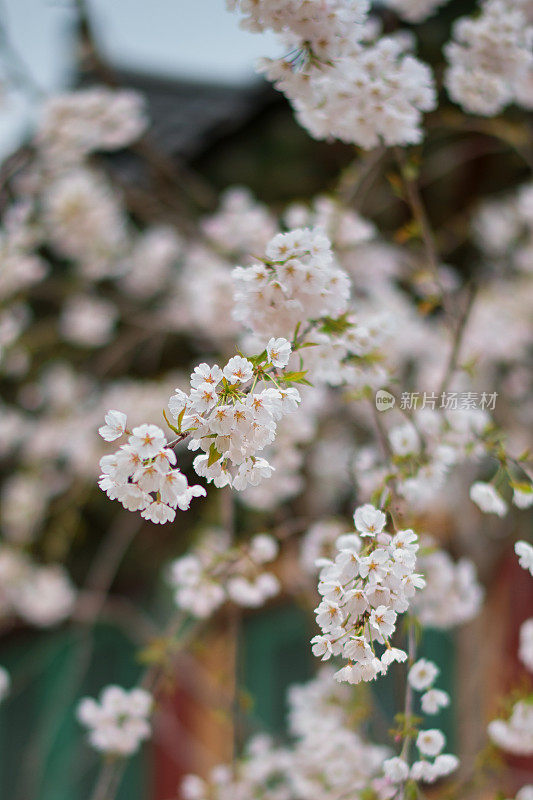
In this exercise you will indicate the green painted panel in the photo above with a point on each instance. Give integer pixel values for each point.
(439, 646)
(43, 752)
(389, 691)
(275, 653)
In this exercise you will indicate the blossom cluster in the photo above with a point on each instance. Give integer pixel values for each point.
(298, 281)
(231, 414)
(430, 742)
(327, 758)
(414, 11)
(215, 572)
(85, 222)
(426, 453)
(514, 734)
(370, 582)
(452, 595)
(503, 229)
(118, 723)
(141, 474)
(300, 288)
(423, 453)
(323, 27)
(376, 92)
(525, 793)
(524, 551)
(421, 677)
(490, 59)
(488, 499)
(42, 595)
(342, 79)
(74, 124)
(525, 651)
(448, 438)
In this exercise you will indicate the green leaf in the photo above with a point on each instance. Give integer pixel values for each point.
(411, 170)
(525, 487)
(156, 651)
(296, 377)
(258, 359)
(396, 184)
(368, 794)
(170, 425)
(214, 455)
(411, 230)
(411, 790)
(335, 325)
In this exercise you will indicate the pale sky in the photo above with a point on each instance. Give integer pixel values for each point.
(195, 39)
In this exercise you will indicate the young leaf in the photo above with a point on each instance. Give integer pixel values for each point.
(214, 455)
(170, 425)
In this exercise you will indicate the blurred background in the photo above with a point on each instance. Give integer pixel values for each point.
(213, 124)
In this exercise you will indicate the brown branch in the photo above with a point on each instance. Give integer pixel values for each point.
(458, 338)
(418, 210)
(388, 454)
(107, 780)
(358, 175)
(139, 627)
(107, 562)
(408, 704)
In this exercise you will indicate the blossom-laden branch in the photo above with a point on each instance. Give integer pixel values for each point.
(231, 414)
(308, 332)
(364, 589)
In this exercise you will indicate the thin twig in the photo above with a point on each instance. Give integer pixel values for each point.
(382, 434)
(107, 562)
(460, 329)
(106, 780)
(494, 128)
(357, 175)
(119, 610)
(418, 209)
(390, 482)
(408, 704)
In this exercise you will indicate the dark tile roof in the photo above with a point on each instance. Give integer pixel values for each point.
(187, 117)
